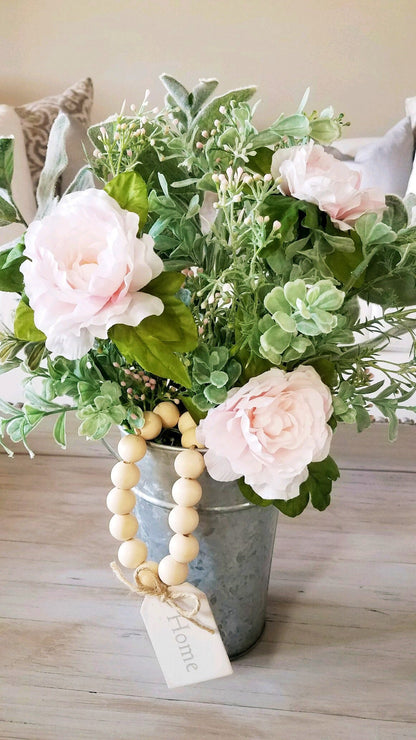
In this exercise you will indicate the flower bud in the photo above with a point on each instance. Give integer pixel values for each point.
(325, 130)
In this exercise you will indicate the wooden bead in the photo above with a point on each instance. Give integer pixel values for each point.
(168, 412)
(185, 422)
(145, 578)
(184, 548)
(189, 464)
(183, 519)
(132, 448)
(123, 526)
(171, 572)
(120, 501)
(152, 425)
(125, 475)
(186, 492)
(189, 439)
(132, 553)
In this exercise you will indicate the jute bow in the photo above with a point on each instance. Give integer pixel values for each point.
(156, 587)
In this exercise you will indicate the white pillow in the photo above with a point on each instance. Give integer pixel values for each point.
(411, 112)
(384, 162)
(387, 163)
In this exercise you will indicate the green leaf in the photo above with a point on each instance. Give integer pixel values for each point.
(406, 237)
(193, 207)
(8, 213)
(130, 191)
(95, 134)
(34, 354)
(217, 358)
(59, 434)
(251, 496)
(395, 214)
(262, 161)
(34, 399)
(149, 352)
(265, 138)
(319, 482)
(218, 378)
(95, 427)
(296, 126)
(32, 414)
(55, 162)
(175, 326)
(215, 395)
(190, 406)
(111, 391)
(6, 162)
(363, 418)
(327, 371)
(339, 243)
(87, 392)
(207, 115)
(294, 506)
(24, 325)
(371, 231)
(11, 279)
(291, 508)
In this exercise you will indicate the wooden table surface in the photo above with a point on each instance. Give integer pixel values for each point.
(338, 656)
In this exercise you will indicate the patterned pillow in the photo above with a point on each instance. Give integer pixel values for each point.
(37, 119)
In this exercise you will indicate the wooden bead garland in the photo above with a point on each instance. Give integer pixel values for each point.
(186, 492)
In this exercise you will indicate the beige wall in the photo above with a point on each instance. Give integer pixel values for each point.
(358, 55)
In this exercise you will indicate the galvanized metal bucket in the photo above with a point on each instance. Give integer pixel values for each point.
(236, 545)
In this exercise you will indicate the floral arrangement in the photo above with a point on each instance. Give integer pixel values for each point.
(197, 260)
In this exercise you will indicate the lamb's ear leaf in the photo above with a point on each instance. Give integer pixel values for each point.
(83, 180)
(207, 115)
(177, 91)
(201, 93)
(55, 162)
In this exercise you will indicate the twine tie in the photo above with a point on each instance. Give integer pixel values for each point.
(160, 590)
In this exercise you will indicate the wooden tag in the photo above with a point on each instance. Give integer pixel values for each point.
(186, 653)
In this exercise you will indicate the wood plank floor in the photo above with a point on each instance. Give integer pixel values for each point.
(338, 656)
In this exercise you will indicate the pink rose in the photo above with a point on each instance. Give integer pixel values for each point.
(308, 173)
(269, 431)
(85, 270)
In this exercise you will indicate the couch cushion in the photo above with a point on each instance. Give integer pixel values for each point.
(37, 119)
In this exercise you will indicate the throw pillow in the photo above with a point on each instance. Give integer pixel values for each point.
(411, 112)
(37, 119)
(387, 163)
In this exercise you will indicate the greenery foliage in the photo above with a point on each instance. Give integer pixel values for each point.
(253, 278)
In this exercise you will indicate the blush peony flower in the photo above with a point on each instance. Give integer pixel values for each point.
(85, 269)
(309, 173)
(269, 431)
